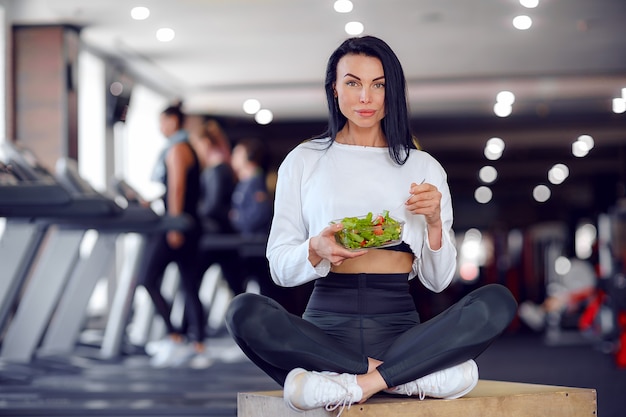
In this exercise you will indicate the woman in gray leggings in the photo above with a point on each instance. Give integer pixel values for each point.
(360, 333)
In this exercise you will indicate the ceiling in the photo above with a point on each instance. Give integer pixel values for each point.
(457, 54)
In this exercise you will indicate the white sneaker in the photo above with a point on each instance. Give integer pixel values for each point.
(172, 355)
(448, 383)
(200, 361)
(154, 346)
(181, 356)
(162, 353)
(306, 390)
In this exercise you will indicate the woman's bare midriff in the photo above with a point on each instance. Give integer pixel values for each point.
(377, 261)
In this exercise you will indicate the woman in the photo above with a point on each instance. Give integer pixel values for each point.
(179, 170)
(217, 179)
(360, 333)
(251, 204)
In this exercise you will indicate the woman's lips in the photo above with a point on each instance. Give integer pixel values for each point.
(366, 113)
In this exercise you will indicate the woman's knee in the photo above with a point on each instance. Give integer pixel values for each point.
(238, 306)
(502, 298)
(247, 309)
(499, 301)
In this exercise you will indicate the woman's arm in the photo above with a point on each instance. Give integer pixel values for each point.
(435, 263)
(288, 241)
(178, 161)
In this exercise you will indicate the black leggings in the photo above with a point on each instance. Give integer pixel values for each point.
(156, 256)
(277, 341)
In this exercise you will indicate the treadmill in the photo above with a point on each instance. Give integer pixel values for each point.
(60, 283)
(25, 188)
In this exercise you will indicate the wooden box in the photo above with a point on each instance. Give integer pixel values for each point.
(488, 399)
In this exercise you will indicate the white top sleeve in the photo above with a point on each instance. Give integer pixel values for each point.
(318, 184)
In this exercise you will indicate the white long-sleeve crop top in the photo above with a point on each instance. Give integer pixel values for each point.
(318, 184)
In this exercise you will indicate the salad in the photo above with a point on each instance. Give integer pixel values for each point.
(369, 231)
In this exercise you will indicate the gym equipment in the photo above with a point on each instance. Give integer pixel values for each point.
(59, 278)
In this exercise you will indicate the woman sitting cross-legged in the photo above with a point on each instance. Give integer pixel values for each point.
(361, 333)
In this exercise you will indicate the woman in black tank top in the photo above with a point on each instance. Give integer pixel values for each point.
(180, 173)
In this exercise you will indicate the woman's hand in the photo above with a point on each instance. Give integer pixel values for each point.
(324, 246)
(425, 199)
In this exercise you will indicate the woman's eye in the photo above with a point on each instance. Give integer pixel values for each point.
(351, 83)
(379, 85)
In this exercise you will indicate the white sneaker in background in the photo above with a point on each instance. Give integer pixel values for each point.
(200, 361)
(172, 354)
(154, 346)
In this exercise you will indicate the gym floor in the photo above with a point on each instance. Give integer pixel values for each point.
(80, 385)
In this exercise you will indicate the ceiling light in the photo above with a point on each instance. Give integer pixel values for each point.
(488, 174)
(354, 28)
(505, 97)
(619, 105)
(529, 4)
(251, 106)
(522, 22)
(624, 93)
(483, 194)
(343, 6)
(558, 173)
(495, 146)
(579, 149)
(264, 117)
(588, 141)
(140, 13)
(541, 193)
(165, 34)
(492, 156)
(502, 109)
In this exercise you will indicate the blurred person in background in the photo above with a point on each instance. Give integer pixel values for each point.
(251, 209)
(567, 295)
(217, 179)
(250, 215)
(217, 183)
(178, 169)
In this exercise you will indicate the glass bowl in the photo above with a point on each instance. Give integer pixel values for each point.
(369, 231)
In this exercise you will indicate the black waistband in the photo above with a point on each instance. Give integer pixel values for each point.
(400, 247)
(362, 294)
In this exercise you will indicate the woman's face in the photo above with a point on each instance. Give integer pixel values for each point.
(360, 89)
(239, 159)
(168, 124)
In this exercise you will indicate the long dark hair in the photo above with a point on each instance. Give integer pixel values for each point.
(395, 125)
